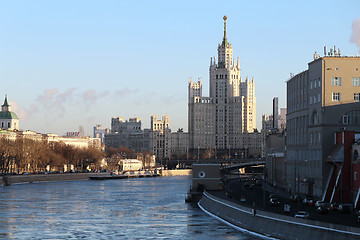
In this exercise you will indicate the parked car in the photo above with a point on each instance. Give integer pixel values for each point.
(295, 198)
(344, 208)
(274, 201)
(322, 204)
(334, 206)
(322, 209)
(307, 200)
(258, 182)
(302, 214)
(272, 195)
(311, 202)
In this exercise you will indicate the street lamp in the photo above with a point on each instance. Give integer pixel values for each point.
(229, 152)
(198, 153)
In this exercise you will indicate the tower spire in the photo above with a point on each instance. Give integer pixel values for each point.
(225, 42)
(5, 102)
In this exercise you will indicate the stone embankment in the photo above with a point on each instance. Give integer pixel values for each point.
(180, 172)
(33, 178)
(271, 225)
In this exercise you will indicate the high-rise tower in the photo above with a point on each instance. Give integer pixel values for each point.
(219, 120)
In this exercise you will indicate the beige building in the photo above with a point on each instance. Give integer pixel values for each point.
(268, 121)
(252, 145)
(126, 133)
(179, 144)
(156, 140)
(218, 121)
(130, 165)
(78, 142)
(160, 137)
(99, 132)
(320, 101)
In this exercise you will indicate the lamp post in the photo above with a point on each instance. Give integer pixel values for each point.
(229, 152)
(306, 175)
(198, 154)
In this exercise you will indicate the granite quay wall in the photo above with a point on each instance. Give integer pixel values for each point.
(271, 225)
(179, 172)
(16, 179)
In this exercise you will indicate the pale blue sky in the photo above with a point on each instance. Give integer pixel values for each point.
(69, 63)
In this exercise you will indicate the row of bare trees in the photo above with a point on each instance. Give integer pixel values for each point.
(24, 154)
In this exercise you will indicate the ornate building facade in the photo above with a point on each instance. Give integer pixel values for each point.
(220, 120)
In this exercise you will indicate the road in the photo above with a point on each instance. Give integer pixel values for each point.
(254, 193)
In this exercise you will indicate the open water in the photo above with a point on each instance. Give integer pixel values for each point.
(143, 208)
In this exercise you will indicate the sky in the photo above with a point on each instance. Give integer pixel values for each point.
(66, 64)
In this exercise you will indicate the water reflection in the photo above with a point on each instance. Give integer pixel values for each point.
(145, 208)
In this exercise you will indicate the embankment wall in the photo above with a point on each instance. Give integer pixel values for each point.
(179, 172)
(271, 225)
(9, 180)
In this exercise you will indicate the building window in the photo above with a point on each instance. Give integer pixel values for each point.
(356, 97)
(356, 81)
(319, 82)
(315, 118)
(217, 76)
(336, 97)
(355, 155)
(311, 84)
(336, 81)
(319, 98)
(311, 100)
(350, 117)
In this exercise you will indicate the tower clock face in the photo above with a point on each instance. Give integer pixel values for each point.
(201, 174)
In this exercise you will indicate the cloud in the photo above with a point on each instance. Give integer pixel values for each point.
(355, 36)
(53, 100)
(22, 113)
(90, 97)
(91, 119)
(63, 98)
(125, 91)
(53, 104)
